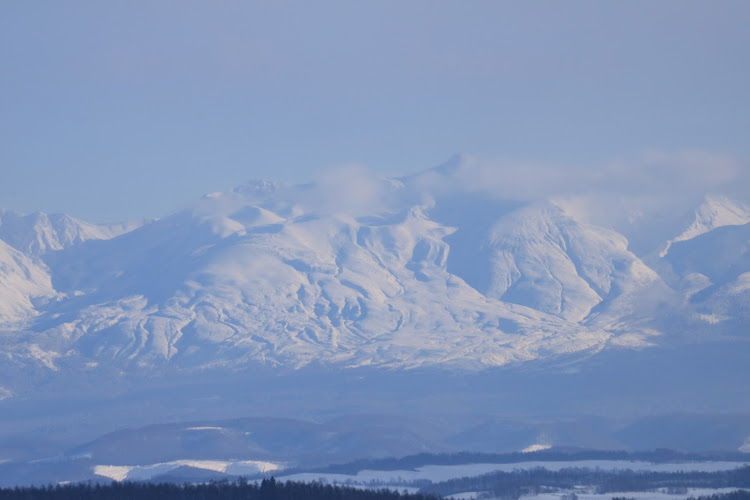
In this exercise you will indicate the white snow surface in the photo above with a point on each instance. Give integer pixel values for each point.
(536, 447)
(146, 472)
(467, 495)
(637, 495)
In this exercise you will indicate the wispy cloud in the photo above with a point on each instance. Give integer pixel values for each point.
(353, 188)
(650, 194)
(684, 174)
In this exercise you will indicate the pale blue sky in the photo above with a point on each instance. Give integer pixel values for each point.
(119, 110)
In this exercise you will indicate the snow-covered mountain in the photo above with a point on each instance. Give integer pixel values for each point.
(715, 212)
(38, 233)
(352, 272)
(23, 284)
(25, 280)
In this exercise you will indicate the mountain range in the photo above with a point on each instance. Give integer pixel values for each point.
(356, 273)
(407, 272)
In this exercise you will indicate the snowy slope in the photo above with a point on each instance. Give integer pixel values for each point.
(546, 260)
(715, 212)
(720, 255)
(714, 268)
(24, 285)
(25, 280)
(38, 233)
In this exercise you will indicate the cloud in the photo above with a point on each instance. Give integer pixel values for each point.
(644, 198)
(651, 194)
(688, 173)
(684, 174)
(354, 189)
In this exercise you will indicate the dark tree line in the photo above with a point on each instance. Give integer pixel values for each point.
(512, 485)
(732, 495)
(268, 489)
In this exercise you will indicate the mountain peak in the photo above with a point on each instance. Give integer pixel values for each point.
(38, 233)
(715, 211)
(257, 186)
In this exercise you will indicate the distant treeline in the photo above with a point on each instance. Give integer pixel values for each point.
(268, 489)
(732, 495)
(512, 485)
(550, 455)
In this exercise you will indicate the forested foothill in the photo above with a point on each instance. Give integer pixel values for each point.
(512, 485)
(268, 489)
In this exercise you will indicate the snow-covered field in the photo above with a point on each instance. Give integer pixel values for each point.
(146, 472)
(437, 473)
(433, 473)
(399, 479)
(636, 495)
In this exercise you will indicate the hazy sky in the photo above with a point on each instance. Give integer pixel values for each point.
(117, 110)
